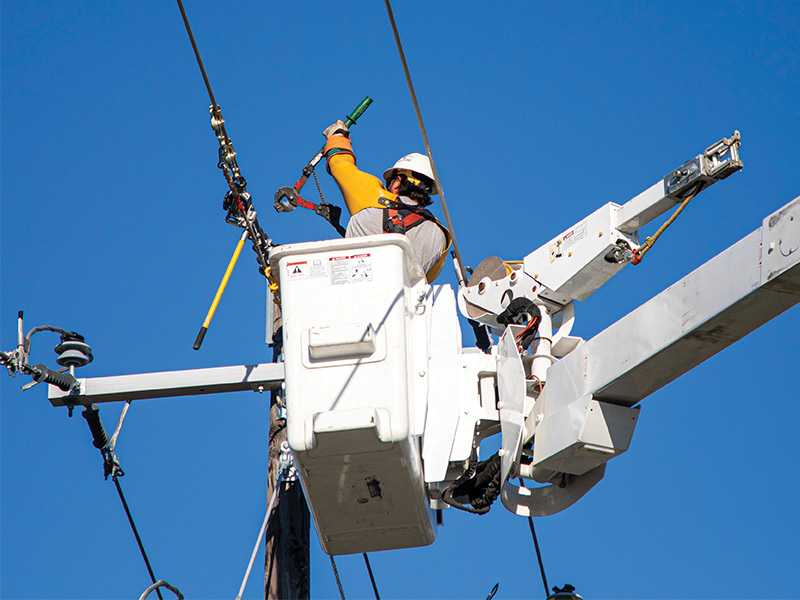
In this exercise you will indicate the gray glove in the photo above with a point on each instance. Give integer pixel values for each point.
(338, 128)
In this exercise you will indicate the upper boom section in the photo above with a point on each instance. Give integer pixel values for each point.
(577, 262)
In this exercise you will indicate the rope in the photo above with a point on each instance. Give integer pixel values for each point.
(278, 481)
(462, 270)
(113, 442)
(136, 533)
(642, 250)
(336, 574)
(371, 577)
(538, 553)
(158, 584)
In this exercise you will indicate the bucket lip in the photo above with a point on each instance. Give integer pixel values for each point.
(368, 242)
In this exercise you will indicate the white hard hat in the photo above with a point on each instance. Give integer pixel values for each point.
(418, 164)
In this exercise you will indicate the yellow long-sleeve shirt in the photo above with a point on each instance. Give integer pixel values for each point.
(361, 191)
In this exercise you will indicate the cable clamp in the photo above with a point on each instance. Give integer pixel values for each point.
(286, 463)
(111, 466)
(216, 117)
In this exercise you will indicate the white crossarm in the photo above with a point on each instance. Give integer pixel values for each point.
(121, 388)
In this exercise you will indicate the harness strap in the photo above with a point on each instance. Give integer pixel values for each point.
(399, 217)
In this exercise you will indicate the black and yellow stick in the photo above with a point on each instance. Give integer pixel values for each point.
(221, 289)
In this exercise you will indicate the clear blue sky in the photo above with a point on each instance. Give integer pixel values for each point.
(538, 113)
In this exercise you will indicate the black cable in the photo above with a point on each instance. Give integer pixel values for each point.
(371, 577)
(538, 552)
(493, 592)
(197, 53)
(539, 557)
(136, 533)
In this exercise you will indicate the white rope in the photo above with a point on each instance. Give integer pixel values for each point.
(113, 443)
(278, 482)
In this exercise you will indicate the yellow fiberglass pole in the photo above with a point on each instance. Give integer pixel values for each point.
(221, 289)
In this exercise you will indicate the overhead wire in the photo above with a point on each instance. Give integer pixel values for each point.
(336, 574)
(247, 218)
(539, 556)
(538, 551)
(197, 53)
(136, 533)
(371, 577)
(493, 591)
(339, 580)
(462, 271)
(111, 467)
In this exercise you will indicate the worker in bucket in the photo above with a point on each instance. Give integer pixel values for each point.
(396, 207)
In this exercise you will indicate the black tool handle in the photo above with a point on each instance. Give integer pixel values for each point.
(199, 339)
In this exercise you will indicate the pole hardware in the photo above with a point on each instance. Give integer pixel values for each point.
(238, 202)
(286, 464)
(288, 198)
(72, 352)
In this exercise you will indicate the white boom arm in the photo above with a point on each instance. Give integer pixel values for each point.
(386, 411)
(584, 416)
(576, 263)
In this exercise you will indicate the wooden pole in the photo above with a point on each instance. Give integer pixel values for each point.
(287, 566)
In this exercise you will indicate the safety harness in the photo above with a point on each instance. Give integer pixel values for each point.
(399, 217)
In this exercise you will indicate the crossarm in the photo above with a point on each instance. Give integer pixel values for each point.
(121, 388)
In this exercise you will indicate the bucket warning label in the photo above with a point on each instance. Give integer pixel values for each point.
(297, 270)
(350, 269)
(317, 268)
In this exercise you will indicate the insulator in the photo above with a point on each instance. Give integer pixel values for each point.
(565, 593)
(63, 381)
(99, 435)
(73, 353)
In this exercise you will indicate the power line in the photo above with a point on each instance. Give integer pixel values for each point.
(462, 271)
(336, 574)
(136, 533)
(371, 577)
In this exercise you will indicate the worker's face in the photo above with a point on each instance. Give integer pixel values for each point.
(394, 185)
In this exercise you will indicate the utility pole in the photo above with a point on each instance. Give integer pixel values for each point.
(287, 565)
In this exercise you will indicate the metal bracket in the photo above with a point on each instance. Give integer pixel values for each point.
(718, 166)
(720, 160)
(286, 463)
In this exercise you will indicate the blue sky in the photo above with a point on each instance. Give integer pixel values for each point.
(538, 113)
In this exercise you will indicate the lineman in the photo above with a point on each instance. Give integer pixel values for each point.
(397, 207)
